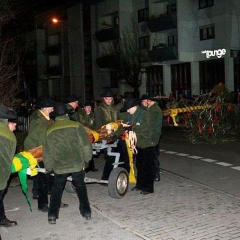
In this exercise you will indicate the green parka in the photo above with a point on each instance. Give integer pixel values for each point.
(7, 150)
(104, 114)
(85, 119)
(67, 148)
(142, 128)
(156, 120)
(37, 130)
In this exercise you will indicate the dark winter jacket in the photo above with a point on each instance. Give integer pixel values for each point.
(67, 148)
(104, 114)
(37, 130)
(85, 119)
(142, 128)
(7, 151)
(156, 119)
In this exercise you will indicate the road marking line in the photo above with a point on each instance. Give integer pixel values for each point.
(236, 168)
(208, 160)
(224, 164)
(195, 157)
(170, 152)
(182, 154)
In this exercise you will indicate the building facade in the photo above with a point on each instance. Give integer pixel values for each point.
(192, 45)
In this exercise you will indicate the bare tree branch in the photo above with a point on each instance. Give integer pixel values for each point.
(128, 58)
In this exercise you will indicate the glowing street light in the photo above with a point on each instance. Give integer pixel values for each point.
(55, 20)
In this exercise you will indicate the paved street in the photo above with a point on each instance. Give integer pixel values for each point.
(180, 209)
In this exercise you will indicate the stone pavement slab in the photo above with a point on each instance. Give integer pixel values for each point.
(180, 209)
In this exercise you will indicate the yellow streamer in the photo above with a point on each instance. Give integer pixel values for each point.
(132, 178)
(17, 164)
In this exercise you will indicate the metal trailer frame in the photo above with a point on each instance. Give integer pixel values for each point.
(118, 180)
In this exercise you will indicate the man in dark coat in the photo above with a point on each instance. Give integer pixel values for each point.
(36, 135)
(105, 113)
(156, 116)
(70, 155)
(86, 118)
(72, 102)
(7, 150)
(145, 147)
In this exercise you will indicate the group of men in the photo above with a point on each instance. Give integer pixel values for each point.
(58, 127)
(143, 119)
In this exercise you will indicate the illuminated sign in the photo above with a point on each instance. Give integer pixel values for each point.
(212, 53)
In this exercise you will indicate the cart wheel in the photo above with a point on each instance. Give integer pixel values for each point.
(118, 183)
(69, 187)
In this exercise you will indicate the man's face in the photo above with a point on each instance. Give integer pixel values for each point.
(47, 110)
(132, 110)
(144, 102)
(150, 103)
(74, 104)
(88, 109)
(108, 100)
(12, 126)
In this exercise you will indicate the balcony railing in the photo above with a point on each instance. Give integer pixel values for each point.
(163, 54)
(106, 61)
(52, 50)
(162, 23)
(107, 34)
(54, 70)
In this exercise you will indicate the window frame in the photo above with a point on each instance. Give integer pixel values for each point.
(143, 14)
(144, 42)
(205, 30)
(172, 40)
(205, 3)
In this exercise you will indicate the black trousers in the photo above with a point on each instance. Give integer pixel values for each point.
(43, 183)
(145, 165)
(57, 190)
(2, 210)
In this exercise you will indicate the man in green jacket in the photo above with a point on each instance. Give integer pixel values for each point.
(86, 118)
(39, 123)
(146, 145)
(105, 113)
(156, 116)
(70, 155)
(7, 150)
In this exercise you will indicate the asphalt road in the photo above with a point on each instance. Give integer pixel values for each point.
(214, 165)
(197, 198)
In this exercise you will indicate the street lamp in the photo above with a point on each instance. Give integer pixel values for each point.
(55, 20)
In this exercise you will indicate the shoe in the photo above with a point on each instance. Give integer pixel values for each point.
(136, 189)
(94, 170)
(35, 196)
(63, 205)
(43, 209)
(145, 192)
(87, 216)
(7, 223)
(157, 177)
(52, 220)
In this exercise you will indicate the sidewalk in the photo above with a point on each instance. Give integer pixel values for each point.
(178, 210)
